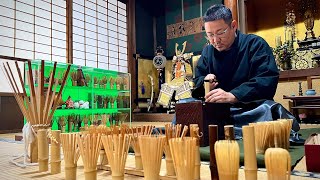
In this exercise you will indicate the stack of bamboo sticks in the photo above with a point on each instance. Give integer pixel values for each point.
(135, 132)
(39, 108)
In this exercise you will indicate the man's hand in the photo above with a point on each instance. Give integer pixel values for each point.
(214, 83)
(220, 96)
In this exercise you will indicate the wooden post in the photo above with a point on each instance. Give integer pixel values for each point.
(213, 137)
(233, 6)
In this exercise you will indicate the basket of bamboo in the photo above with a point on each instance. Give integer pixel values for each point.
(278, 164)
(116, 147)
(228, 159)
(135, 132)
(151, 148)
(89, 146)
(71, 154)
(183, 154)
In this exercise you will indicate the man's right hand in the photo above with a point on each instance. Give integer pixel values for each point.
(212, 77)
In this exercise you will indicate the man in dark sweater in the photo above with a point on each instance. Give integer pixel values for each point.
(242, 71)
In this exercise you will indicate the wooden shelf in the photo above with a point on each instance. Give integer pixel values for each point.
(298, 74)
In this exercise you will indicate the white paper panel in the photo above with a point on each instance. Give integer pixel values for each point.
(4, 83)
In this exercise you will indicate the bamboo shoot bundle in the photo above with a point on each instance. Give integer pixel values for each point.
(71, 154)
(183, 153)
(151, 153)
(228, 159)
(116, 147)
(89, 146)
(278, 164)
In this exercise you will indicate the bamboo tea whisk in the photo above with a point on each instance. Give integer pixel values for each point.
(228, 159)
(278, 164)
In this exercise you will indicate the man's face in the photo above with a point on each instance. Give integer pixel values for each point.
(220, 34)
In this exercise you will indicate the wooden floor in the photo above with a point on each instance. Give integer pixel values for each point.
(8, 171)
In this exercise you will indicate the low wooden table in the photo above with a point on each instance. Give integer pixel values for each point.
(303, 102)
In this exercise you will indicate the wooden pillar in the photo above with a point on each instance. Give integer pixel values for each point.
(233, 5)
(132, 63)
(69, 25)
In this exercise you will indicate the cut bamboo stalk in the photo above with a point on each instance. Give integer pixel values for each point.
(183, 154)
(228, 132)
(89, 146)
(116, 148)
(250, 160)
(43, 151)
(213, 138)
(151, 152)
(34, 151)
(194, 132)
(228, 159)
(278, 164)
(71, 154)
(206, 87)
(55, 160)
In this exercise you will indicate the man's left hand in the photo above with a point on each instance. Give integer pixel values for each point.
(220, 96)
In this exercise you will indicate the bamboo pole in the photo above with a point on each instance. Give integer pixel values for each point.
(250, 160)
(43, 151)
(194, 132)
(55, 160)
(213, 137)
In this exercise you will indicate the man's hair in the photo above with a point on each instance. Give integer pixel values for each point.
(216, 12)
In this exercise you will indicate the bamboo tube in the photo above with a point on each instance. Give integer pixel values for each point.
(183, 153)
(34, 151)
(229, 132)
(169, 130)
(117, 147)
(213, 137)
(194, 132)
(43, 151)
(250, 160)
(206, 87)
(151, 152)
(278, 164)
(71, 154)
(55, 152)
(89, 146)
(228, 159)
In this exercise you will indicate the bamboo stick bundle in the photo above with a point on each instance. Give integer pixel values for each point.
(71, 154)
(55, 158)
(151, 152)
(172, 131)
(135, 132)
(228, 159)
(250, 160)
(194, 133)
(43, 152)
(263, 135)
(278, 164)
(89, 146)
(116, 147)
(183, 153)
(286, 125)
